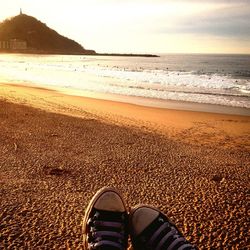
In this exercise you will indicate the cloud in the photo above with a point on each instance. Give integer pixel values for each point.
(168, 1)
(231, 20)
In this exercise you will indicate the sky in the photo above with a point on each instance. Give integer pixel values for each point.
(144, 26)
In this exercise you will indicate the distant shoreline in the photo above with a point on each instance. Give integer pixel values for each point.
(128, 55)
(86, 52)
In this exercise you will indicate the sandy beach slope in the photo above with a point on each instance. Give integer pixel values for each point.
(57, 150)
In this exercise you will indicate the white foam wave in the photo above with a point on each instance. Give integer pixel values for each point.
(162, 84)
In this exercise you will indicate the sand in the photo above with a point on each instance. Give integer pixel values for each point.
(57, 150)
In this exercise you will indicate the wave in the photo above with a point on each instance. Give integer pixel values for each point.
(174, 78)
(186, 91)
(226, 100)
(161, 83)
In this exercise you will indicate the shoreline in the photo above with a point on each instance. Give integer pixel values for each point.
(172, 122)
(160, 103)
(145, 101)
(86, 52)
(83, 73)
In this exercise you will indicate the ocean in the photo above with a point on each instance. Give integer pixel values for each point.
(196, 78)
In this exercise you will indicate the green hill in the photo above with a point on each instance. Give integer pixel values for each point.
(38, 37)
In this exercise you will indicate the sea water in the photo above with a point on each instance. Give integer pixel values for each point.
(210, 79)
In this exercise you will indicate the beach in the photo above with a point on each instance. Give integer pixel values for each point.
(57, 150)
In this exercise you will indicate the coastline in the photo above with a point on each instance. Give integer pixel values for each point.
(222, 94)
(142, 101)
(57, 150)
(85, 52)
(159, 103)
(173, 118)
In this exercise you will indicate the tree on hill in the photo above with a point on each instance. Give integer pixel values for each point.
(37, 35)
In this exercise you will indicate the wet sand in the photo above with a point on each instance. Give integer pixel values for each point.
(56, 151)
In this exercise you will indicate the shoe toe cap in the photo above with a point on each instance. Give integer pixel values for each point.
(110, 201)
(141, 218)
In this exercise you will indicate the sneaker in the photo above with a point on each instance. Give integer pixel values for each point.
(150, 229)
(105, 222)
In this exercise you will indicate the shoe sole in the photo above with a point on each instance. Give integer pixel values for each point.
(90, 207)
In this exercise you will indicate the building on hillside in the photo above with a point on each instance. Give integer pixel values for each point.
(4, 45)
(16, 44)
(13, 44)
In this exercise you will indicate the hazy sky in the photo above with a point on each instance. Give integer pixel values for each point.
(147, 26)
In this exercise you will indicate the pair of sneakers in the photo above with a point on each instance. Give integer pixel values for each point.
(107, 224)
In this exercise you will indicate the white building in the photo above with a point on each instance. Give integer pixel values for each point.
(16, 44)
(4, 45)
(13, 44)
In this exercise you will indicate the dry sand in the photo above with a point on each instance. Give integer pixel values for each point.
(56, 151)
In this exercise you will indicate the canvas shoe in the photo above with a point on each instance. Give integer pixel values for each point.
(150, 229)
(105, 221)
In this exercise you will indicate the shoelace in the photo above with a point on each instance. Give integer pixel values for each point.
(172, 238)
(106, 234)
